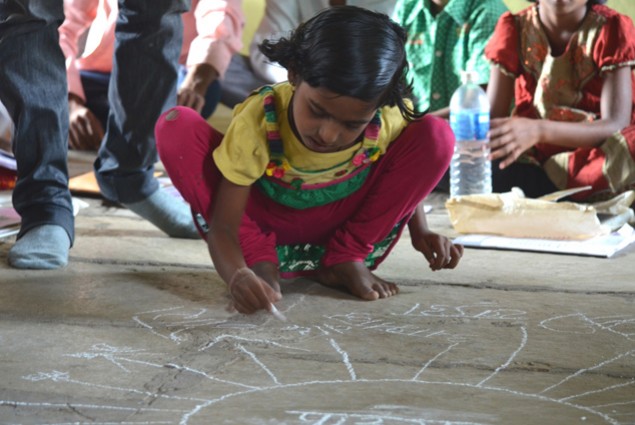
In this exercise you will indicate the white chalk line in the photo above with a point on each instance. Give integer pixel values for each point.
(321, 330)
(207, 376)
(184, 368)
(414, 308)
(377, 419)
(522, 345)
(601, 390)
(429, 362)
(109, 423)
(150, 328)
(607, 323)
(11, 403)
(619, 403)
(345, 359)
(118, 359)
(57, 376)
(266, 342)
(185, 418)
(110, 353)
(462, 311)
(259, 363)
(581, 371)
(480, 315)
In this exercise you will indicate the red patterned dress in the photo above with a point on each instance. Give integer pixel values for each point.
(568, 88)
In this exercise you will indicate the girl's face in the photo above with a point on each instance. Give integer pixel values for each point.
(327, 122)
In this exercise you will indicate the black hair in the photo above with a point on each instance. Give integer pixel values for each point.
(350, 51)
(589, 2)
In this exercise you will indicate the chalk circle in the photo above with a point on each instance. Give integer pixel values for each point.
(392, 402)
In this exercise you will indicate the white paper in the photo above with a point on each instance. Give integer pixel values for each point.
(8, 162)
(10, 219)
(601, 246)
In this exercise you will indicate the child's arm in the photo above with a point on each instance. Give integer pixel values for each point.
(500, 92)
(510, 137)
(440, 252)
(250, 291)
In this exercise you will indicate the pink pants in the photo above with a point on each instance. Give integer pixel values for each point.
(348, 228)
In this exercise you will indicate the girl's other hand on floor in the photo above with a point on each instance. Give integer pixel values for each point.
(440, 252)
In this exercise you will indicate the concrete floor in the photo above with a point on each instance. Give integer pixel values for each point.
(135, 331)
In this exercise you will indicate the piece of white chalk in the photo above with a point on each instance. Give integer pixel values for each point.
(278, 314)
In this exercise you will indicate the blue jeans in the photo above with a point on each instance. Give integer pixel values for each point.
(33, 89)
(95, 85)
(148, 41)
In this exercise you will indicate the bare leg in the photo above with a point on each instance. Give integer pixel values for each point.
(357, 279)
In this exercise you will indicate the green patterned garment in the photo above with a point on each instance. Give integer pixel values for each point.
(307, 257)
(440, 47)
(309, 198)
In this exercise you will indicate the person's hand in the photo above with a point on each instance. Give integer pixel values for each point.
(510, 137)
(440, 252)
(251, 292)
(85, 131)
(192, 91)
(190, 98)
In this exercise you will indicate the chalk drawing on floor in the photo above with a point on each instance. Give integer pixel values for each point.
(220, 364)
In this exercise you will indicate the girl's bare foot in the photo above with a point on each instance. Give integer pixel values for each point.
(357, 279)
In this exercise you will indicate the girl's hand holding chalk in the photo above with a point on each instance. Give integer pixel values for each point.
(251, 293)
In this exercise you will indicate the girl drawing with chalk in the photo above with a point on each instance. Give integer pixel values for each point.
(317, 176)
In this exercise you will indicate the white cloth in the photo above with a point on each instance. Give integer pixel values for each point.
(282, 16)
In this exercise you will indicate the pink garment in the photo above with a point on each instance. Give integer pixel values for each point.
(212, 33)
(348, 228)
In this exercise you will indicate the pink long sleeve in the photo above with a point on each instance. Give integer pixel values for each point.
(212, 33)
(79, 15)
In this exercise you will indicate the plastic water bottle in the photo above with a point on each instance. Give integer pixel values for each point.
(470, 168)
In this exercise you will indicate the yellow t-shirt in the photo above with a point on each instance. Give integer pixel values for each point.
(243, 154)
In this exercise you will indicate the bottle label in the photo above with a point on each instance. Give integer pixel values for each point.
(470, 125)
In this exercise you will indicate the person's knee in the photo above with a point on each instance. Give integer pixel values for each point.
(174, 127)
(431, 141)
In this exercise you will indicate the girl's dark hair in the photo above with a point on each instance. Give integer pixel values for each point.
(350, 51)
(589, 2)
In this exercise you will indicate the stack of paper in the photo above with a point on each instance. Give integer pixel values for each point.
(600, 246)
